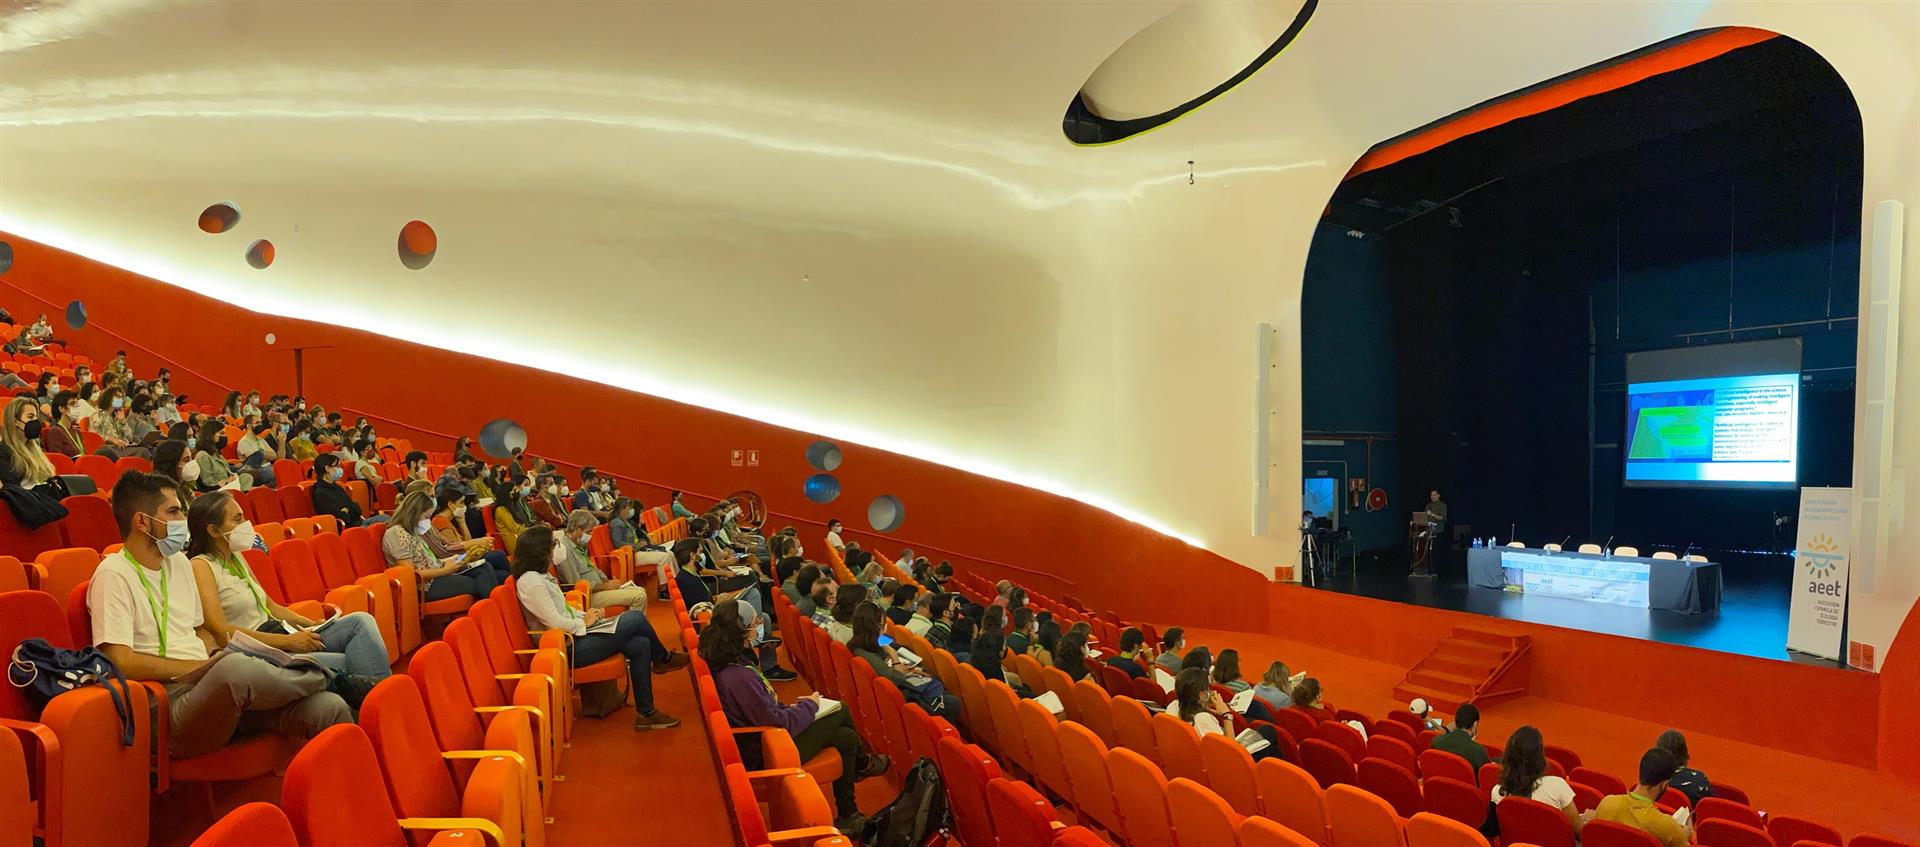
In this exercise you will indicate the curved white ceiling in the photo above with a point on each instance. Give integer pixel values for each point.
(956, 281)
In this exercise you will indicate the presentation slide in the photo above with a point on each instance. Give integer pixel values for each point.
(1736, 430)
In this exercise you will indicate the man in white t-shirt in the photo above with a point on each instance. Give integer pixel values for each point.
(833, 537)
(147, 619)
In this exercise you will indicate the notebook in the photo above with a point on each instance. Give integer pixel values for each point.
(1252, 741)
(1052, 702)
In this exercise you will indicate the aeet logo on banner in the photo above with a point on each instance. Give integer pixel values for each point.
(1819, 613)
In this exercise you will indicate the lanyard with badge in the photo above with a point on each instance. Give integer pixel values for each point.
(240, 572)
(163, 608)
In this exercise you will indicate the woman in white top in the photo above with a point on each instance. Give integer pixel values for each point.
(232, 599)
(404, 543)
(1195, 702)
(631, 635)
(1523, 773)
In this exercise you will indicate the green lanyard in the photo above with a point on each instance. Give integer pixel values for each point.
(163, 608)
(240, 572)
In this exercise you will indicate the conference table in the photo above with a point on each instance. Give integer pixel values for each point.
(1679, 585)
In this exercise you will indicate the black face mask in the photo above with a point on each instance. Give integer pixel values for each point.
(32, 428)
(221, 441)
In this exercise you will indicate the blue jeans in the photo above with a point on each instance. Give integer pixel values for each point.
(354, 646)
(634, 638)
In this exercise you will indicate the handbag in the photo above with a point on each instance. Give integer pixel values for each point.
(45, 672)
(930, 696)
(600, 699)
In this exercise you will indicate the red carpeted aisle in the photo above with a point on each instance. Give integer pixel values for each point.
(1849, 798)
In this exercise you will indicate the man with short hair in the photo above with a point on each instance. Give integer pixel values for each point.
(588, 497)
(416, 462)
(329, 496)
(1636, 808)
(1460, 742)
(922, 621)
(577, 565)
(148, 620)
(833, 536)
(1131, 640)
(546, 503)
(1021, 638)
(1171, 643)
(942, 610)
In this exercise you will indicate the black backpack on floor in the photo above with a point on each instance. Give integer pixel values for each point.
(916, 817)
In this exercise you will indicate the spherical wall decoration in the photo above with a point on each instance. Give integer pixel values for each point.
(823, 456)
(6, 256)
(76, 315)
(822, 488)
(499, 438)
(886, 513)
(271, 338)
(260, 254)
(219, 218)
(418, 242)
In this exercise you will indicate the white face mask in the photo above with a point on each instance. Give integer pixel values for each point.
(423, 527)
(558, 555)
(459, 511)
(241, 537)
(190, 471)
(553, 489)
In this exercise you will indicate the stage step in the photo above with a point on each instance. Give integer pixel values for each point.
(1468, 666)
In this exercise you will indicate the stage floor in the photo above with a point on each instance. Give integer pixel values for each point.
(1752, 620)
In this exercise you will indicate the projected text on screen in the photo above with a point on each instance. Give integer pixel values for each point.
(1721, 430)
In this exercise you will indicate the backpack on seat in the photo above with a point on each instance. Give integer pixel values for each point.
(917, 817)
(46, 671)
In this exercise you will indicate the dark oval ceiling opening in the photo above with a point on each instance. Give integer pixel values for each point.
(1179, 63)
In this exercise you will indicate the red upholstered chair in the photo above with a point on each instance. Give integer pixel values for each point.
(1726, 791)
(1392, 783)
(1085, 756)
(1021, 817)
(1096, 711)
(1720, 832)
(1230, 773)
(967, 770)
(421, 785)
(1179, 748)
(1673, 799)
(1866, 839)
(99, 467)
(19, 541)
(1076, 836)
(1359, 717)
(1528, 821)
(1489, 775)
(1564, 756)
(1788, 830)
(1148, 691)
(1261, 832)
(1606, 783)
(1392, 749)
(1329, 765)
(1134, 726)
(1117, 682)
(1359, 819)
(251, 825)
(89, 522)
(337, 771)
(1461, 801)
(1715, 808)
(1140, 792)
(1394, 729)
(1342, 736)
(1298, 724)
(1609, 834)
(1407, 719)
(1586, 798)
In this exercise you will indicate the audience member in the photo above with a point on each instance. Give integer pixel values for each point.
(748, 700)
(920, 689)
(1307, 697)
(1199, 657)
(1020, 638)
(214, 471)
(626, 531)
(1071, 655)
(1523, 773)
(151, 630)
(231, 599)
(576, 565)
(1424, 711)
(900, 611)
(329, 497)
(28, 463)
(833, 534)
(988, 650)
(511, 513)
(1685, 779)
(1132, 641)
(1637, 809)
(1195, 702)
(1274, 685)
(845, 601)
(257, 450)
(921, 621)
(1046, 642)
(405, 543)
(632, 635)
(1460, 741)
(1171, 643)
(62, 434)
(943, 610)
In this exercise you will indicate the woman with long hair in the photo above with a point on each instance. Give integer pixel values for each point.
(1523, 773)
(1195, 702)
(173, 460)
(1307, 698)
(845, 600)
(1274, 685)
(1226, 671)
(231, 598)
(919, 688)
(404, 543)
(1071, 655)
(748, 700)
(21, 434)
(214, 470)
(1046, 642)
(511, 515)
(632, 635)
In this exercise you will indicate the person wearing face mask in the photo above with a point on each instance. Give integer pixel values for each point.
(632, 635)
(511, 513)
(329, 496)
(405, 542)
(231, 599)
(62, 434)
(252, 406)
(148, 618)
(589, 497)
(626, 530)
(140, 419)
(257, 450)
(546, 504)
(451, 527)
(416, 463)
(214, 470)
(22, 433)
(577, 566)
(299, 441)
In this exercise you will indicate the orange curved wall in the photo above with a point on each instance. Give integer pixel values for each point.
(1056, 545)
(1051, 543)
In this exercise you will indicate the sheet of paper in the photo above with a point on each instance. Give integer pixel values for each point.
(1252, 741)
(1165, 679)
(1242, 702)
(1052, 702)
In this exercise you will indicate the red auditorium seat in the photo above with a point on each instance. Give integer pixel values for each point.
(89, 522)
(337, 771)
(130, 463)
(1393, 750)
(1392, 783)
(1328, 764)
(251, 825)
(18, 540)
(1528, 821)
(1787, 830)
(100, 468)
(1021, 817)
(1720, 832)
(967, 770)
(1452, 798)
(295, 502)
(1607, 784)
(1609, 834)
(263, 504)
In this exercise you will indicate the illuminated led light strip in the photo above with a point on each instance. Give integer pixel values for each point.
(321, 311)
